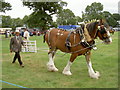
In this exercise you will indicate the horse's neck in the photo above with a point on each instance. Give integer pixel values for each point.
(93, 34)
(92, 29)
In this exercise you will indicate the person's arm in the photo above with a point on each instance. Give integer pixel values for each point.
(11, 44)
(22, 41)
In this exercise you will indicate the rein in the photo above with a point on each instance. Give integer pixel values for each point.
(75, 51)
(80, 50)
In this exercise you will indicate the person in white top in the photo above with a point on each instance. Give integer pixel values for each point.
(26, 34)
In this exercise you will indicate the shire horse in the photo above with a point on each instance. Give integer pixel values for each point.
(56, 39)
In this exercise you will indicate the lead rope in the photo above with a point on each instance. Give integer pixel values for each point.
(75, 51)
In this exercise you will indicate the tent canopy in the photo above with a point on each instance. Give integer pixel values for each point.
(68, 27)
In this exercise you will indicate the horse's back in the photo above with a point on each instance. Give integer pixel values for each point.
(56, 38)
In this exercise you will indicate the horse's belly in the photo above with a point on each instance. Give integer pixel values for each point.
(61, 47)
(80, 50)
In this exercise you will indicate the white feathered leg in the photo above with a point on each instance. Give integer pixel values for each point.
(51, 65)
(66, 70)
(91, 72)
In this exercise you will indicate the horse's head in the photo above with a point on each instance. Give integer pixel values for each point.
(103, 32)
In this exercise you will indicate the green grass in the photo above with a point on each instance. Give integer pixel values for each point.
(35, 74)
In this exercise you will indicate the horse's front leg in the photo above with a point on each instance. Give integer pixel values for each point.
(66, 70)
(50, 64)
(91, 72)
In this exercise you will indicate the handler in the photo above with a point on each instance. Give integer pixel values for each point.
(15, 46)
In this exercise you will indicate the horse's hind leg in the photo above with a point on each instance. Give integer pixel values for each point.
(50, 64)
(66, 70)
(92, 73)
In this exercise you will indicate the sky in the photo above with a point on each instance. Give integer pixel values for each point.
(77, 6)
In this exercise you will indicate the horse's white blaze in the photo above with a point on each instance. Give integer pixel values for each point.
(50, 64)
(108, 33)
(66, 70)
(92, 72)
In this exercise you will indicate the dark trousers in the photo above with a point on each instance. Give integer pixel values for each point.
(17, 55)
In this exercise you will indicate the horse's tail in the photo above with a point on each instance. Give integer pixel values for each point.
(44, 37)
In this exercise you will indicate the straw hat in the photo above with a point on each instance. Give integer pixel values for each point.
(17, 31)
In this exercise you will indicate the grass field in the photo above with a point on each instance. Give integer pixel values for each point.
(35, 74)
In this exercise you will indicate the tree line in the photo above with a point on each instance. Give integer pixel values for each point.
(43, 12)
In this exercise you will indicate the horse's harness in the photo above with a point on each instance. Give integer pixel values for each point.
(68, 43)
(103, 31)
(83, 42)
(80, 31)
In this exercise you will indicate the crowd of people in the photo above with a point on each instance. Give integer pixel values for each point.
(8, 33)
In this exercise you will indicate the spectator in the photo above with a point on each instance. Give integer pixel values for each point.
(26, 34)
(6, 35)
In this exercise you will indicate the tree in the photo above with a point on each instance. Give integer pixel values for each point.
(16, 22)
(53, 24)
(6, 21)
(25, 20)
(109, 18)
(78, 19)
(66, 17)
(5, 6)
(93, 11)
(42, 13)
(116, 16)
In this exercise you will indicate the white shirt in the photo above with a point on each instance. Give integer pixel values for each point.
(26, 34)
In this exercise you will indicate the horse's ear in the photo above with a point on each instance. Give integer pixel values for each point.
(103, 22)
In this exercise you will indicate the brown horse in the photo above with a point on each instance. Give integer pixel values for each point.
(56, 39)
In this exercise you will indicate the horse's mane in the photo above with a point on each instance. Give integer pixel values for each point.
(91, 26)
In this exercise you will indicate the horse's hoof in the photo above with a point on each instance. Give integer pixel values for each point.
(52, 68)
(67, 73)
(96, 75)
(55, 69)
